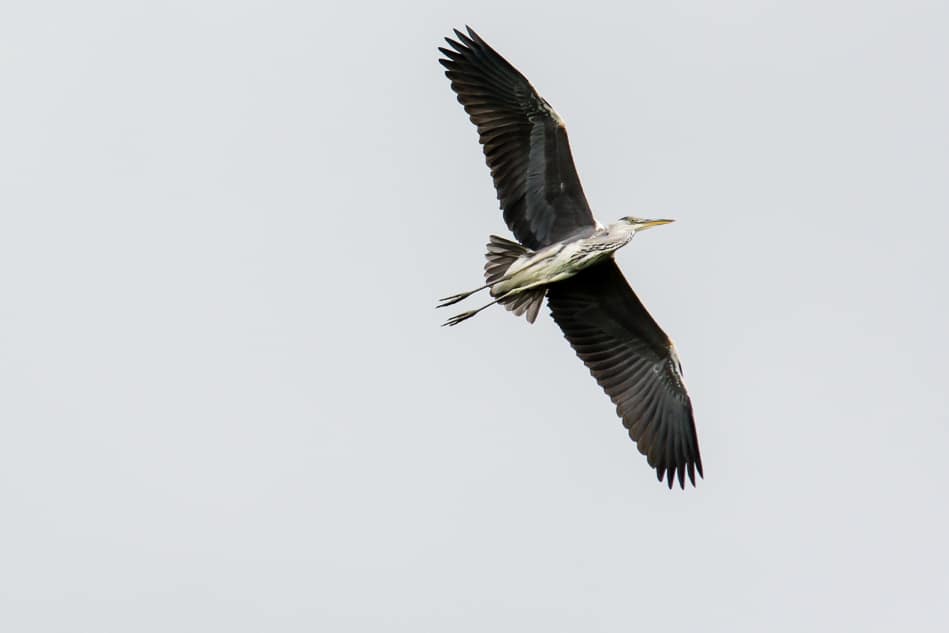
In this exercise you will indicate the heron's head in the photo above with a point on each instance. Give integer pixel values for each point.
(641, 224)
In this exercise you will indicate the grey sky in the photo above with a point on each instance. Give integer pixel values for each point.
(226, 401)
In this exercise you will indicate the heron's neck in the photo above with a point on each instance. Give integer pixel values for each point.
(622, 230)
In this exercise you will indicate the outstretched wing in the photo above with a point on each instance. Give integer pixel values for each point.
(635, 363)
(525, 144)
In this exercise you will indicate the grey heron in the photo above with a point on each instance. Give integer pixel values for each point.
(563, 253)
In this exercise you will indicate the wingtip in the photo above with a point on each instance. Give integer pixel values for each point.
(670, 475)
(472, 34)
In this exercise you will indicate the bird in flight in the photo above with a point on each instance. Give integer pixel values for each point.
(563, 253)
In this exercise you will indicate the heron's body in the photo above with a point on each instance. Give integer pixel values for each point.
(562, 260)
(564, 255)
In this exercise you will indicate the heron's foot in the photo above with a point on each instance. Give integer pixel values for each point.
(458, 318)
(452, 300)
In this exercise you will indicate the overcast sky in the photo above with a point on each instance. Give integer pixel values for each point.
(226, 403)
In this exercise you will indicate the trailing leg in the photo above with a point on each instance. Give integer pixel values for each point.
(458, 318)
(501, 254)
(453, 299)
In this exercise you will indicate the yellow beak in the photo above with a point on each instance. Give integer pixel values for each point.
(648, 224)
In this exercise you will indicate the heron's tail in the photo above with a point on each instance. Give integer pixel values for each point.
(527, 302)
(501, 254)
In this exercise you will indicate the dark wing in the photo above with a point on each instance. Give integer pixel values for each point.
(525, 143)
(635, 363)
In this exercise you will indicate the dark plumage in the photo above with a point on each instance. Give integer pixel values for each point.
(635, 363)
(525, 144)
